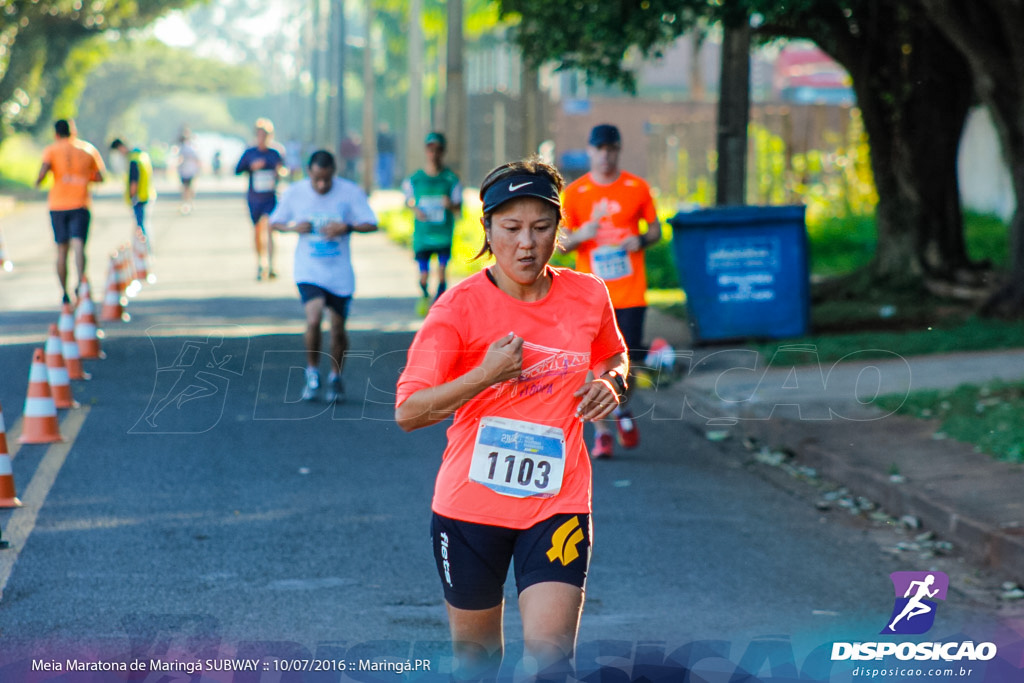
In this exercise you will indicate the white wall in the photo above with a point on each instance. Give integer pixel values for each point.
(985, 184)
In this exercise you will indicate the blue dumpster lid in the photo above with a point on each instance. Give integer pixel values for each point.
(724, 216)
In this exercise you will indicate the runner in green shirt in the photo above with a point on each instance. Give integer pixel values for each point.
(434, 193)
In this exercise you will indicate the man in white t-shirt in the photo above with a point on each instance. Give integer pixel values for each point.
(324, 210)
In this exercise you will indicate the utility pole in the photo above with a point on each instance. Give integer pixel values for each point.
(532, 108)
(369, 88)
(339, 44)
(455, 92)
(314, 97)
(733, 113)
(415, 129)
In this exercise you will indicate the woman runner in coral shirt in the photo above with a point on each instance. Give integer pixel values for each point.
(522, 354)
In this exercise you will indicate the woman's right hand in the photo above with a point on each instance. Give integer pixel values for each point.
(504, 359)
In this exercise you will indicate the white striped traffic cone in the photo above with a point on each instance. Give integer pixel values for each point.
(39, 419)
(57, 372)
(69, 345)
(113, 305)
(86, 331)
(140, 258)
(8, 496)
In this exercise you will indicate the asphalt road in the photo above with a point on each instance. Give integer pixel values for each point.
(234, 519)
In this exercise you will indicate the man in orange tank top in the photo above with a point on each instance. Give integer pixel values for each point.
(75, 164)
(603, 211)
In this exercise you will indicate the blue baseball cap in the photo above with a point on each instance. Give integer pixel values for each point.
(435, 139)
(604, 134)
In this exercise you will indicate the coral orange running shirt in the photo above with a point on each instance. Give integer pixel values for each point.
(626, 201)
(74, 164)
(515, 453)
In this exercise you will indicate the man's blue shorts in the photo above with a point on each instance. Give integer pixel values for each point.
(70, 223)
(444, 255)
(260, 207)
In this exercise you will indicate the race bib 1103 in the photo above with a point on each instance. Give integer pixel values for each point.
(518, 459)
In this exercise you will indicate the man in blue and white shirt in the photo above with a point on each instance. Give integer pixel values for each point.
(324, 210)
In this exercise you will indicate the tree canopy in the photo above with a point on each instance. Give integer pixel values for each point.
(37, 39)
(139, 70)
(912, 79)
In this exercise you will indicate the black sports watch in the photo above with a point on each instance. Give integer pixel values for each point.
(618, 382)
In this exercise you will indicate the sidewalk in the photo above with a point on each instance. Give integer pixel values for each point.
(824, 415)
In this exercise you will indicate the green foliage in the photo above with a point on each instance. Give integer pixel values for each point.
(986, 415)
(166, 116)
(146, 69)
(19, 161)
(595, 35)
(86, 56)
(660, 262)
(987, 240)
(38, 38)
(911, 336)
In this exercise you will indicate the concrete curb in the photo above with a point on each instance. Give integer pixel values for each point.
(983, 540)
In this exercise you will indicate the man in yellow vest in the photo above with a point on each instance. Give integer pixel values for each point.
(140, 179)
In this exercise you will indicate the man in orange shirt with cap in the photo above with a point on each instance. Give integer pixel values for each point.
(74, 164)
(603, 210)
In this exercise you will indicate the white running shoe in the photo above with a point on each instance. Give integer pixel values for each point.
(335, 391)
(312, 385)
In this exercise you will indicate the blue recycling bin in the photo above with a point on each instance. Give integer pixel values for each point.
(744, 270)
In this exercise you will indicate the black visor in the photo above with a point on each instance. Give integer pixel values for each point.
(520, 186)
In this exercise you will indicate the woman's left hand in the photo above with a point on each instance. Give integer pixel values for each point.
(597, 400)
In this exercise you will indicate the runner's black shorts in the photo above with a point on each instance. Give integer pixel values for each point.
(338, 304)
(473, 559)
(444, 255)
(631, 324)
(70, 223)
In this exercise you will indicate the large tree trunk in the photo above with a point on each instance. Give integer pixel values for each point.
(914, 90)
(987, 32)
(914, 142)
(914, 93)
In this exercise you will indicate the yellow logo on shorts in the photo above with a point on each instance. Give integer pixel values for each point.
(564, 542)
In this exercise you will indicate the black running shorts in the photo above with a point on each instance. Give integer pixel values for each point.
(631, 324)
(73, 223)
(473, 559)
(338, 304)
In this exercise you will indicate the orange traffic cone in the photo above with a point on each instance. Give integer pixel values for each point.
(140, 258)
(5, 262)
(121, 277)
(8, 498)
(127, 281)
(57, 372)
(69, 345)
(86, 332)
(39, 419)
(113, 308)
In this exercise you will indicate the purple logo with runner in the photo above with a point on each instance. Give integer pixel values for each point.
(916, 593)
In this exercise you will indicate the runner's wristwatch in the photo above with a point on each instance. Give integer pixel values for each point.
(617, 380)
